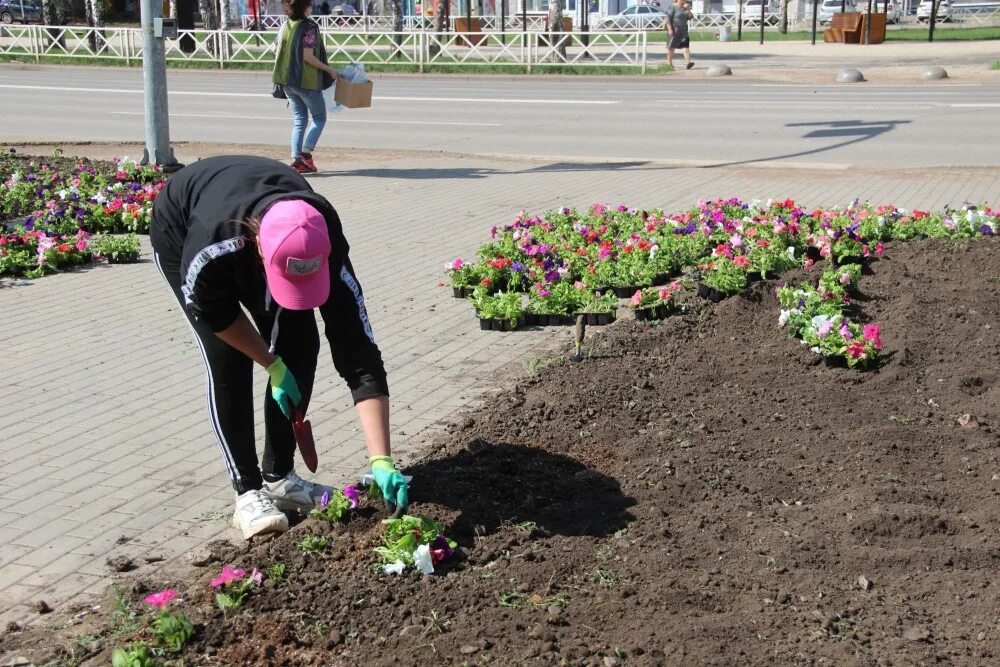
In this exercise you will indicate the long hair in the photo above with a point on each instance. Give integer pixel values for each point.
(295, 9)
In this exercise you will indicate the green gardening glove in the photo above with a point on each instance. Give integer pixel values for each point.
(391, 483)
(284, 388)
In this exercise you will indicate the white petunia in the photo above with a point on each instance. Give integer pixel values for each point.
(422, 559)
(62, 194)
(783, 318)
(791, 252)
(394, 568)
(814, 349)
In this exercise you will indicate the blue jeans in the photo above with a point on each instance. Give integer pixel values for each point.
(305, 103)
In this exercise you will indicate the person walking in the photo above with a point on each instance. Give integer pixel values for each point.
(676, 21)
(235, 232)
(301, 68)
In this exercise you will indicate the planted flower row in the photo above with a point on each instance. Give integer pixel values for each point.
(61, 195)
(569, 262)
(408, 542)
(32, 254)
(816, 315)
(49, 208)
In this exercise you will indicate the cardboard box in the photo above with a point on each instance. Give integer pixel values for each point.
(353, 95)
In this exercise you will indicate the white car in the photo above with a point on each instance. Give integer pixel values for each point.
(831, 7)
(943, 10)
(752, 10)
(640, 17)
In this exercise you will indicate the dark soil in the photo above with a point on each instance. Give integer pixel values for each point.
(701, 491)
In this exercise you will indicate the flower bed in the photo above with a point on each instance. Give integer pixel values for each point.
(567, 260)
(50, 206)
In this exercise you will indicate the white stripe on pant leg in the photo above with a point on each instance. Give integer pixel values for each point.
(227, 456)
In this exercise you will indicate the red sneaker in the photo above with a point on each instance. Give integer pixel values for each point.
(300, 165)
(309, 163)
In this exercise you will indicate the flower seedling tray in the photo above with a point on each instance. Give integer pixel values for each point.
(710, 293)
(597, 319)
(657, 312)
(124, 258)
(492, 324)
(549, 320)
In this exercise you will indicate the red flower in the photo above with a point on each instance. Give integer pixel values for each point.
(763, 243)
(582, 252)
(644, 244)
(918, 214)
(486, 282)
(741, 261)
(856, 349)
(64, 247)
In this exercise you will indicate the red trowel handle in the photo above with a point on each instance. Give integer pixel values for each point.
(304, 437)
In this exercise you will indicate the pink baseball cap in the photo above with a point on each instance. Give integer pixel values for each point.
(295, 245)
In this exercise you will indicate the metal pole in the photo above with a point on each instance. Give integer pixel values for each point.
(503, 21)
(930, 34)
(815, 12)
(585, 27)
(868, 24)
(739, 22)
(762, 5)
(524, 19)
(154, 78)
(843, 6)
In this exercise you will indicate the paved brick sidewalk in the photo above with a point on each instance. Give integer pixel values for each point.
(105, 448)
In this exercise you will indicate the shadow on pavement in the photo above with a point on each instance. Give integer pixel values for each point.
(851, 131)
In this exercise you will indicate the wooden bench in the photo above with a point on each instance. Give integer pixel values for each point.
(878, 28)
(844, 28)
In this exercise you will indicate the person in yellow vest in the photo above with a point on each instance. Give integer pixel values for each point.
(302, 70)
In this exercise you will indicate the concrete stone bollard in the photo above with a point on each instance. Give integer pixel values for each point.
(934, 73)
(719, 70)
(849, 76)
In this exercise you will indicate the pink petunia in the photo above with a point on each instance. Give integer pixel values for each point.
(353, 495)
(457, 264)
(872, 335)
(637, 298)
(162, 599)
(228, 574)
(879, 248)
(256, 576)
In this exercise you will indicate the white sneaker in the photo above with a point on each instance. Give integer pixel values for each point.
(291, 493)
(256, 514)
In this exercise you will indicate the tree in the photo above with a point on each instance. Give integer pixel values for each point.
(783, 17)
(55, 12)
(557, 38)
(207, 10)
(95, 19)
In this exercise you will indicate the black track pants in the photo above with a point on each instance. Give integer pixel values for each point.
(229, 376)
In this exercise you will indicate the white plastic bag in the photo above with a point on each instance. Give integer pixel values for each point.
(353, 73)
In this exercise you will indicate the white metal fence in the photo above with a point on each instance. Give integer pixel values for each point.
(235, 48)
(981, 14)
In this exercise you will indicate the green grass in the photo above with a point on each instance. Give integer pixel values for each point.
(996, 65)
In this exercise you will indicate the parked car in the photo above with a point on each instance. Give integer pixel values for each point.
(20, 11)
(831, 7)
(752, 10)
(943, 10)
(640, 17)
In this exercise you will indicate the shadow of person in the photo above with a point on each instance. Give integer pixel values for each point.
(493, 484)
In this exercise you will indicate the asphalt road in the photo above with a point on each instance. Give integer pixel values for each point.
(704, 123)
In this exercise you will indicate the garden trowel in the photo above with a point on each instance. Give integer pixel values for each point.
(581, 329)
(304, 437)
